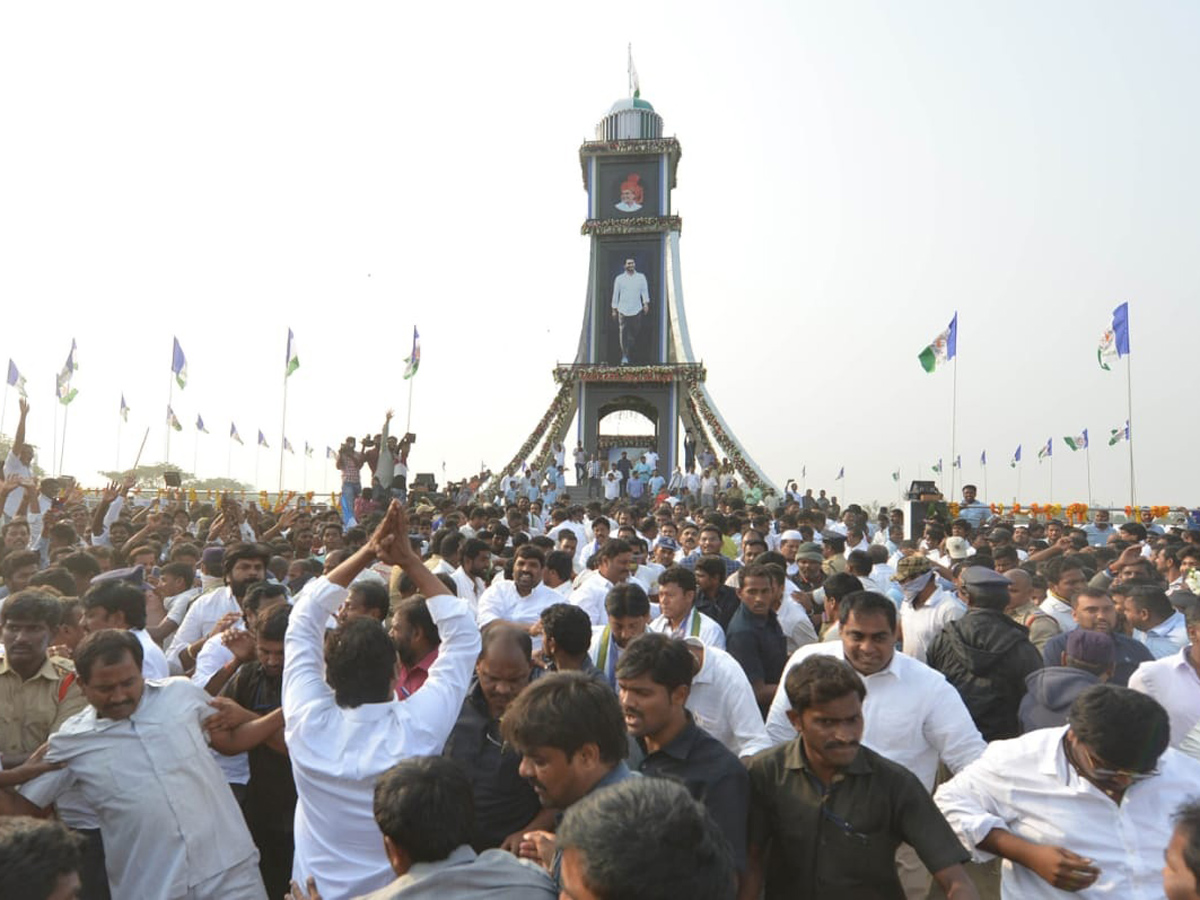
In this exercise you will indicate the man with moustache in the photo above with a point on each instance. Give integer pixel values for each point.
(243, 564)
(827, 814)
(156, 729)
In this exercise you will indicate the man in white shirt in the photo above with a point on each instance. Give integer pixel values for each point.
(911, 713)
(627, 610)
(18, 464)
(115, 603)
(722, 701)
(242, 564)
(926, 608)
(138, 756)
(616, 558)
(468, 578)
(1156, 623)
(520, 602)
(630, 301)
(342, 733)
(680, 618)
(1173, 681)
(1086, 807)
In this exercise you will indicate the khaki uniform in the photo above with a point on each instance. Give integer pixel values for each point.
(30, 711)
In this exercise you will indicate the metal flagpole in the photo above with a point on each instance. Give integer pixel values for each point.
(62, 450)
(257, 457)
(117, 466)
(282, 433)
(1129, 430)
(1088, 458)
(1051, 477)
(954, 423)
(54, 450)
(195, 452)
(985, 487)
(170, 400)
(229, 459)
(1020, 465)
(408, 417)
(137, 459)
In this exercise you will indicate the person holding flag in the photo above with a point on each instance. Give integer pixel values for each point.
(18, 464)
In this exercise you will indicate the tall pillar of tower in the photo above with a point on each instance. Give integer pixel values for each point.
(634, 352)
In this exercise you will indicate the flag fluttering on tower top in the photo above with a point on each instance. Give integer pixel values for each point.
(179, 364)
(635, 87)
(16, 379)
(293, 360)
(413, 362)
(233, 434)
(941, 349)
(1114, 342)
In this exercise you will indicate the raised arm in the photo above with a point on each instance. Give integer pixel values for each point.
(18, 444)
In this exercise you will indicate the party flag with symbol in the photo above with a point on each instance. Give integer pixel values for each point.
(1047, 450)
(942, 349)
(287, 445)
(16, 379)
(937, 466)
(262, 440)
(841, 474)
(1114, 342)
(1119, 434)
(983, 458)
(414, 359)
(293, 361)
(233, 434)
(179, 364)
(63, 388)
(124, 409)
(1077, 442)
(173, 420)
(1016, 457)
(200, 424)
(958, 461)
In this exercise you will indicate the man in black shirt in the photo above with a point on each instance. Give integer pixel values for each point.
(754, 637)
(505, 804)
(654, 678)
(714, 598)
(827, 814)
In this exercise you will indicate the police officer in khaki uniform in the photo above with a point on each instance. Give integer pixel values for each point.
(37, 692)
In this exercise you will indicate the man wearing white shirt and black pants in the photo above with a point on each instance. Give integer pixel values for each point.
(911, 713)
(342, 737)
(1086, 807)
(631, 300)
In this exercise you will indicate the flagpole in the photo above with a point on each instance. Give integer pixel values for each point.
(408, 417)
(137, 459)
(195, 452)
(1020, 464)
(62, 451)
(985, 487)
(229, 460)
(283, 432)
(954, 422)
(54, 450)
(117, 466)
(1051, 477)
(1129, 430)
(304, 477)
(1088, 458)
(257, 457)
(170, 400)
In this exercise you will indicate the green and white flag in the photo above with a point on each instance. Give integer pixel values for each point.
(173, 420)
(937, 467)
(1079, 442)
(1119, 434)
(413, 362)
(942, 349)
(63, 388)
(293, 361)
(1046, 451)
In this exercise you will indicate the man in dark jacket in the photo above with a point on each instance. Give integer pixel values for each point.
(1088, 660)
(986, 655)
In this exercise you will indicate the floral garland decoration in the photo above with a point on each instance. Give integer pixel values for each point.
(631, 147)
(699, 409)
(633, 225)
(689, 373)
(613, 441)
(562, 403)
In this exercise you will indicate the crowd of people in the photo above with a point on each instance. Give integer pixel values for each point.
(653, 695)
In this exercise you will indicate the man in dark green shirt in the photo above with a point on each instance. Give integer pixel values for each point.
(826, 814)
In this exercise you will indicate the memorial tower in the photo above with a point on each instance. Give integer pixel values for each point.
(634, 354)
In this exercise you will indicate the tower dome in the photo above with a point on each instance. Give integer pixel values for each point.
(630, 119)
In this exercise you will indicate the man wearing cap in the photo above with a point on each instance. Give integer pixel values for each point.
(243, 564)
(986, 655)
(1087, 659)
(926, 608)
(833, 552)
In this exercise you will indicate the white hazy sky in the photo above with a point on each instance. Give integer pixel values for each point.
(852, 174)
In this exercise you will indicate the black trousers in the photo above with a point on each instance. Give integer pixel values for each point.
(92, 874)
